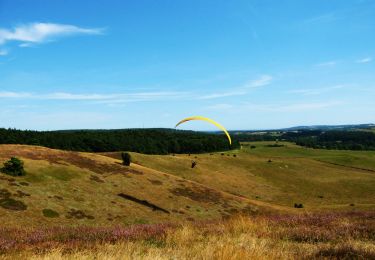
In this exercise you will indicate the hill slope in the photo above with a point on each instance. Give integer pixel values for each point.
(319, 179)
(73, 188)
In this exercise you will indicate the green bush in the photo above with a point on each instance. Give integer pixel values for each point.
(14, 167)
(49, 213)
(126, 159)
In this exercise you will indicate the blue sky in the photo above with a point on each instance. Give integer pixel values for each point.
(247, 64)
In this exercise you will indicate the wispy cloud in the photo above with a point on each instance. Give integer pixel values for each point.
(323, 18)
(3, 52)
(219, 107)
(102, 98)
(315, 91)
(364, 60)
(35, 33)
(296, 107)
(327, 64)
(259, 82)
(223, 94)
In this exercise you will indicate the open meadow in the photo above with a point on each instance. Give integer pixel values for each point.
(236, 204)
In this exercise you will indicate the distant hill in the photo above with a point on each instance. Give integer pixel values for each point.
(308, 127)
(329, 127)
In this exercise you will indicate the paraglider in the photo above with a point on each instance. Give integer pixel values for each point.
(207, 120)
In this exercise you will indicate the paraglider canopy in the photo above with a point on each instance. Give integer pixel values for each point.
(207, 120)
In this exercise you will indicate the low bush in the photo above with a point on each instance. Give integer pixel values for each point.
(14, 167)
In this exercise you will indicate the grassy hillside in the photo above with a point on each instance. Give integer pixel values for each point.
(72, 188)
(79, 205)
(319, 179)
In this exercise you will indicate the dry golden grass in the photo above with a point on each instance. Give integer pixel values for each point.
(280, 237)
(84, 188)
(319, 179)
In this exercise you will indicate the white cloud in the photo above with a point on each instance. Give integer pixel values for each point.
(364, 60)
(327, 64)
(35, 33)
(7, 94)
(100, 98)
(220, 107)
(261, 81)
(316, 91)
(223, 94)
(296, 107)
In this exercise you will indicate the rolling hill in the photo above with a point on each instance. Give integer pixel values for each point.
(73, 188)
(319, 179)
(76, 188)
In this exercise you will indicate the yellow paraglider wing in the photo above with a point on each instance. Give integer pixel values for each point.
(207, 120)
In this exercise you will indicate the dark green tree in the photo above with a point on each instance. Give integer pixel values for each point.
(126, 159)
(14, 167)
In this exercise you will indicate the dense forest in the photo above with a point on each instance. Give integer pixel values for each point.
(332, 139)
(342, 140)
(149, 141)
(165, 141)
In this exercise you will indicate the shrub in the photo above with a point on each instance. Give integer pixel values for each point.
(298, 205)
(253, 147)
(193, 164)
(14, 167)
(126, 159)
(49, 213)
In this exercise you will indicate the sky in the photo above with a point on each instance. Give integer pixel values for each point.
(248, 64)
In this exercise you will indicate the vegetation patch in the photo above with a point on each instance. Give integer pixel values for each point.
(200, 194)
(21, 194)
(96, 179)
(78, 214)
(50, 213)
(4, 194)
(12, 204)
(155, 182)
(13, 167)
(58, 197)
(345, 252)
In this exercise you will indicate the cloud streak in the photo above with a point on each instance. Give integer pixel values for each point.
(327, 64)
(101, 98)
(3, 52)
(36, 33)
(259, 82)
(364, 60)
(316, 91)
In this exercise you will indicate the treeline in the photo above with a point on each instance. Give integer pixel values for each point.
(341, 140)
(149, 141)
(330, 139)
